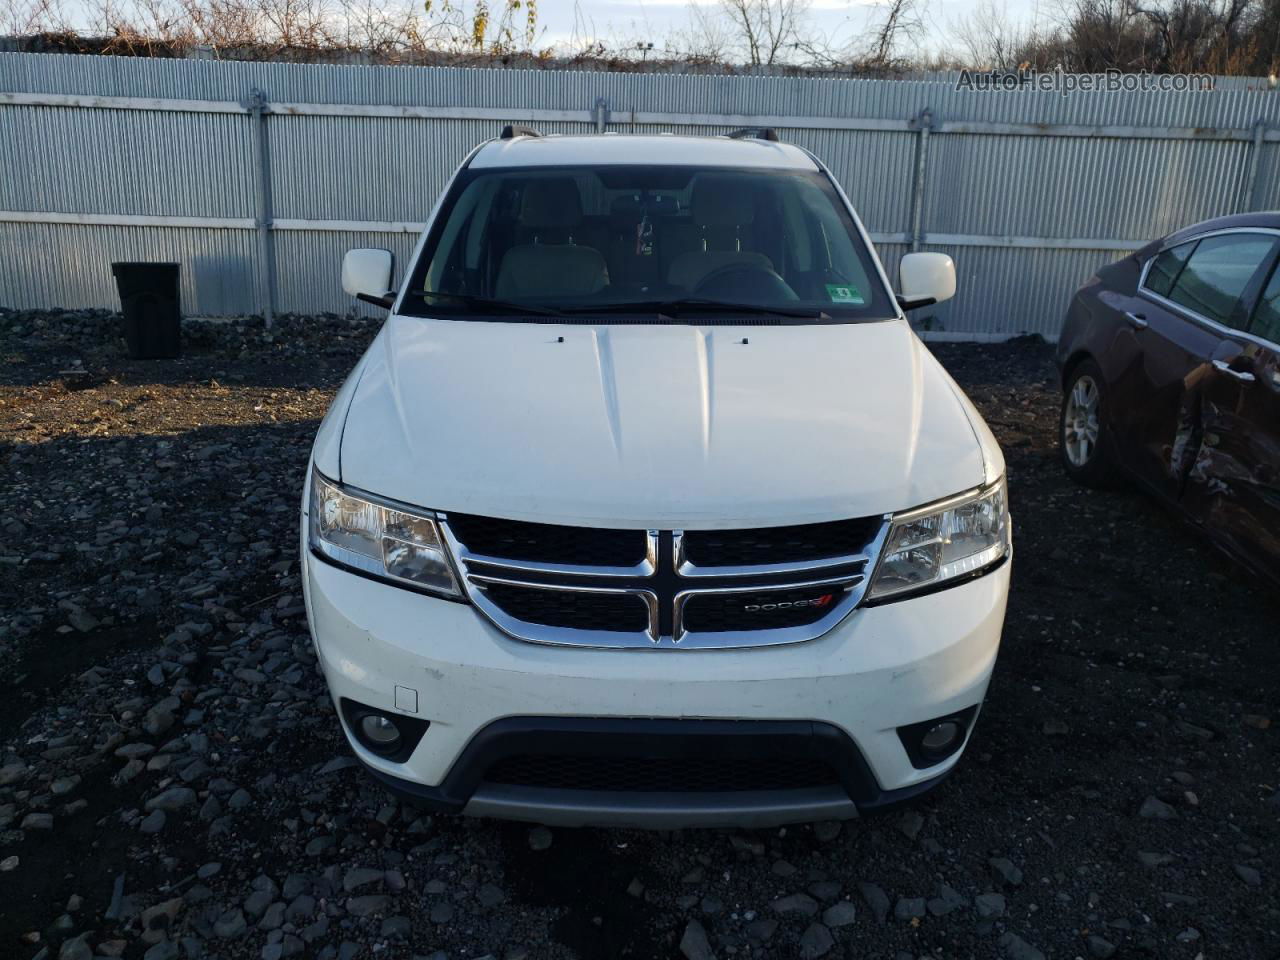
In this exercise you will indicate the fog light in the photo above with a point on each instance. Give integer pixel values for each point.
(929, 742)
(379, 733)
(941, 737)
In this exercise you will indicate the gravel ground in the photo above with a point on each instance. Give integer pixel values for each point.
(173, 782)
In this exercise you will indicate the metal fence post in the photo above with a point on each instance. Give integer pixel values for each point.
(1249, 189)
(600, 112)
(262, 219)
(917, 185)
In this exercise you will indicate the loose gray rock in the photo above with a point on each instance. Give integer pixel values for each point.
(441, 913)
(230, 925)
(75, 949)
(840, 914)
(1153, 808)
(358, 877)
(153, 822)
(302, 908)
(1101, 947)
(694, 944)
(1005, 872)
(370, 903)
(239, 800)
(990, 905)
(273, 918)
(1248, 874)
(815, 942)
(1015, 948)
(800, 903)
(164, 950)
(909, 908)
(172, 800)
(877, 900)
(948, 899)
(255, 905)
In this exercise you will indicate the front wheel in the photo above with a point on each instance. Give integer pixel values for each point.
(1080, 433)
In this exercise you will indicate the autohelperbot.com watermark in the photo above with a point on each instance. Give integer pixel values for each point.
(1061, 82)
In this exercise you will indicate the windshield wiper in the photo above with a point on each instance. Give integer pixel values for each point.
(485, 303)
(693, 305)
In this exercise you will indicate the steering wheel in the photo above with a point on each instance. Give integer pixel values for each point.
(744, 281)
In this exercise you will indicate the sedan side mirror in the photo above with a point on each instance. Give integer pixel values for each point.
(926, 278)
(366, 275)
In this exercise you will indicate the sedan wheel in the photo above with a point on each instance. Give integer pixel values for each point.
(1080, 422)
(1085, 454)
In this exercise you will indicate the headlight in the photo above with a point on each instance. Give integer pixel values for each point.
(929, 546)
(381, 540)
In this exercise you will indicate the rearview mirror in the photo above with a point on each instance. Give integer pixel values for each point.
(366, 275)
(926, 278)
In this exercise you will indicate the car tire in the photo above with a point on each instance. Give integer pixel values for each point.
(1082, 436)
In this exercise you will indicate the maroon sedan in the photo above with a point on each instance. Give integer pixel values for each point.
(1170, 362)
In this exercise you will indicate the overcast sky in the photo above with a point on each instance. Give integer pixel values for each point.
(655, 20)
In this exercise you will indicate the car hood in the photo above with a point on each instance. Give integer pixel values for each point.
(657, 426)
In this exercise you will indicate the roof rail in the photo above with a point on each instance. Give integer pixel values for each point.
(755, 133)
(513, 130)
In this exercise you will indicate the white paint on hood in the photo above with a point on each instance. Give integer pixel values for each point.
(657, 426)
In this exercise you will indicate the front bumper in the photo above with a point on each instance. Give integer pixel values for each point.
(882, 668)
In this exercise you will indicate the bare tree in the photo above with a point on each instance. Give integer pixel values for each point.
(903, 21)
(755, 32)
(987, 39)
(23, 17)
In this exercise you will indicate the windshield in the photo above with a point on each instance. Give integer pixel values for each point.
(645, 244)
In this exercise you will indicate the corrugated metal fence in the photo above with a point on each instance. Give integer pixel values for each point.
(257, 176)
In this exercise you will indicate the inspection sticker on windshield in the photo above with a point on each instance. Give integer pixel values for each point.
(844, 293)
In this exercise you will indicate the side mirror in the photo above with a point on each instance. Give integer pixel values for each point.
(926, 278)
(366, 275)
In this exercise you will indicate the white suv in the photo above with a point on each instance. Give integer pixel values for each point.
(646, 506)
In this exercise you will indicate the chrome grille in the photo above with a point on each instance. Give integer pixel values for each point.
(672, 589)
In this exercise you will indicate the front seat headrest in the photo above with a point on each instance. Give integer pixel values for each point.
(550, 202)
(719, 201)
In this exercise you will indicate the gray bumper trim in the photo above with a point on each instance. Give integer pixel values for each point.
(578, 808)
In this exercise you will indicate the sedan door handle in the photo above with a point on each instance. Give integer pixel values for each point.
(1137, 319)
(1223, 367)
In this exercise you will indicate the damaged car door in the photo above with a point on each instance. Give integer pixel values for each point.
(1233, 483)
(1192, 301)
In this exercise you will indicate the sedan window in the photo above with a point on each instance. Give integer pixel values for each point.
(1266, 315)
(1166, 267)
(1217, 274)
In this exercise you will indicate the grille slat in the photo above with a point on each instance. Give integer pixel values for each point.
(773, 545)
(700, 774)
(571, 609)
(547, 542)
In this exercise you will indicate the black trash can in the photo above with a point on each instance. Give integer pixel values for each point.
(152, 313)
